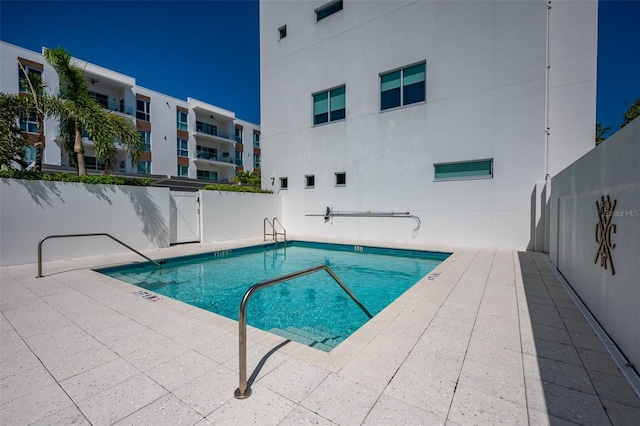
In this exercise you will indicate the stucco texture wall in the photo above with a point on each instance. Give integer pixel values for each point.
(579, 231)
(32, 210)
(235, 215)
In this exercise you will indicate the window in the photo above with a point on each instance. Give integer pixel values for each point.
(238, 135)
(142, 110)
(464, 170)
(183, 148)
(207, 175)
(284, 183)
(210, 129)
(256, 140)
(183, 171)
(341, 179)
(402, 87)
(309, 181)
(238, 158)
(146, 139)
(30, 153)
(23, 85)
(256, 161)
(181, 120)
(144, 166)
(102, 100)
(282, 32)
(328, 9)
(329, 105)
(206, 153)
(29, 123)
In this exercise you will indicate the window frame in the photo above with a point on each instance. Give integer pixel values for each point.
(284, 180)
(29, 122)
(182, 125)
(239, 135)
(282, 32)
(344, 178)
(468, 177)
(328, 7)
(309, 178)
(146, 141)
(21, 76)
(147, 169)
(329, 110)
(402, 86)
(256, 140)
(182, 168)
(256, 161)
(143, 114)
(182, 152)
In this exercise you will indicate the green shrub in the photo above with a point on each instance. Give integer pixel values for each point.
(68, 177)
(235, 188)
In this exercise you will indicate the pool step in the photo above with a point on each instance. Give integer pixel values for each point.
(308, 337)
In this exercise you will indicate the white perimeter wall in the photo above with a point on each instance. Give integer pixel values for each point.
(234, 215)
(611, 169)
(31, 210)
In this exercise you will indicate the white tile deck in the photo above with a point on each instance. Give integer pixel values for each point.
(493, 339)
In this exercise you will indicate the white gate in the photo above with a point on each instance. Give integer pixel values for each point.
(185, 217)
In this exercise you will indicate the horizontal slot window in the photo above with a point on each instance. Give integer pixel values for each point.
(478, 169)
(328, 9)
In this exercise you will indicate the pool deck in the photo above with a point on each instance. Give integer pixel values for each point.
(491, 336)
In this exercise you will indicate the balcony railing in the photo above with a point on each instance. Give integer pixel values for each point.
(214, 131)
(204, 155)
(118, 107)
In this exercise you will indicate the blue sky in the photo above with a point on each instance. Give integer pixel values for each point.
(209, 50)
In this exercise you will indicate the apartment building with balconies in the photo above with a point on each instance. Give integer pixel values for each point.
(182, 138)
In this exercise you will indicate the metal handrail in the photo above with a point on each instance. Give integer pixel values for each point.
(85, 235)
(274, 233)
(244, 391)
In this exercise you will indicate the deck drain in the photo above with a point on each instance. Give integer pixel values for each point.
(433, 276)
(147, 295)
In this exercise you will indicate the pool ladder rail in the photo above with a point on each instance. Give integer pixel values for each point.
(274, 232)
(158, 264)
(244, 391)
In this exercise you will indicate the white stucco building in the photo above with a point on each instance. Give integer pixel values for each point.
(191, 139)
(457, 111)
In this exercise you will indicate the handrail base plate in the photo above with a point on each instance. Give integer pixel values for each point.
(242, 395)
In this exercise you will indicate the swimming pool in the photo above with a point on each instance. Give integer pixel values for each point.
(313, 309)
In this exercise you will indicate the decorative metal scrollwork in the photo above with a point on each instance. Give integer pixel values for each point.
(604, 228)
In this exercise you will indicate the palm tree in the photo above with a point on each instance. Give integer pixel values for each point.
(78, 111)
(12, 139)
(41, 103)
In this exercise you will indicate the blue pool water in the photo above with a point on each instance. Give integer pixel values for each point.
(312, 309)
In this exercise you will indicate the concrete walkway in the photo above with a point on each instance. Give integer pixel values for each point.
(490, 337)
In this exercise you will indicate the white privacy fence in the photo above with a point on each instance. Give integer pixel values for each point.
(142, 217)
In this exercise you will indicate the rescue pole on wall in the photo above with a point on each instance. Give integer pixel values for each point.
(330, 214)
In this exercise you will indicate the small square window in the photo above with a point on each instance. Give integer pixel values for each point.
(282, 32)
(341, 179)
(310, 181)
(284, 183)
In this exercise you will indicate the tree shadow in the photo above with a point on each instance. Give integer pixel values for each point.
(41, 192)
(147, 209)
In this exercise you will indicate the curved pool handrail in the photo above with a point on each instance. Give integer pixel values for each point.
(244, 391)
(86, 235)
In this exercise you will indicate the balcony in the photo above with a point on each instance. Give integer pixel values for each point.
(210, 132)
(206, 157)
(126, 110)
